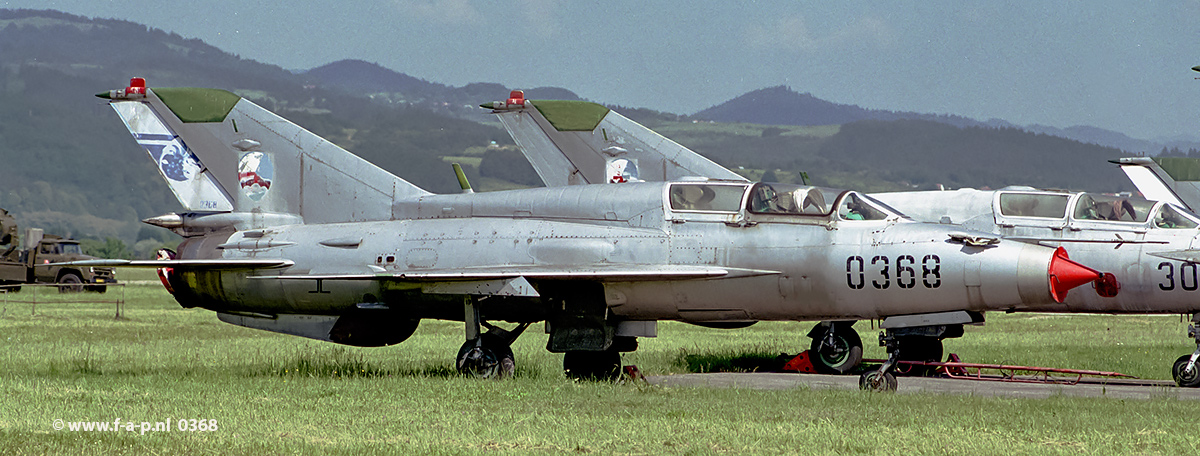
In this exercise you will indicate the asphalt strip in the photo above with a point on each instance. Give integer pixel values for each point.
(909, 385)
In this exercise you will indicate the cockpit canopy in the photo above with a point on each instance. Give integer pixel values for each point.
(776, 199)
(1092, 207)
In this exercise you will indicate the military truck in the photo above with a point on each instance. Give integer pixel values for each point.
(31, 261)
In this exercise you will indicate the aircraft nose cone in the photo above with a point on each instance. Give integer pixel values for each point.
(1066, 274)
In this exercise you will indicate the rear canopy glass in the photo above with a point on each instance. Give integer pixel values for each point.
(706, 197)
(1033, 205)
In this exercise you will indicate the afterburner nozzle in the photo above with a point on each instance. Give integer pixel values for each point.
(1066, 274)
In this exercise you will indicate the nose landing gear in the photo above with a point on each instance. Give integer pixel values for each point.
(914, 338)
(1186, 370)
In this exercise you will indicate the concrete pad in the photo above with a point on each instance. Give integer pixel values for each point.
(909, 385)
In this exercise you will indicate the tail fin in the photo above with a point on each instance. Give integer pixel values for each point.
(578, 142)
(1171, 179)
(222, 153)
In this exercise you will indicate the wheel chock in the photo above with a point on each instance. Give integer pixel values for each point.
(633, 374)
(802, 363)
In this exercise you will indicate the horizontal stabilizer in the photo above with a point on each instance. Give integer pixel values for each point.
(184, 264)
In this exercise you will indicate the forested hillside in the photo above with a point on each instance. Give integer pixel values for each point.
(68, 165)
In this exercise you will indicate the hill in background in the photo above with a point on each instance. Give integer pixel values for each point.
(781, 105)
(70, 167)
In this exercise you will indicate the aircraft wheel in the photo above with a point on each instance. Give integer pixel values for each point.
(916, 348)
(836, 354)
(877, 381)
(70, 283)
(1185, 379)
(486, 357)
(592, 365)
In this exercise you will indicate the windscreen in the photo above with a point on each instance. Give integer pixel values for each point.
(1092, 206)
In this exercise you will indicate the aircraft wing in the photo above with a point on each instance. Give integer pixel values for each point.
(184, 264)
(579, 142)
(514, 280)
(599, 272)
(1172, 179)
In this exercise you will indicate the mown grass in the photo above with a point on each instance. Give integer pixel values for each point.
(273, 394)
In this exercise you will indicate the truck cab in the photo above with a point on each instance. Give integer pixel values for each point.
(30, 261)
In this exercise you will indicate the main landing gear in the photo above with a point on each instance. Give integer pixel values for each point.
(579, 326)
(486, 355)
(836, 347)
(1186, 370)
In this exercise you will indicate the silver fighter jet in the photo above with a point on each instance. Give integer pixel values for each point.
(1151, 246)
(287, 232)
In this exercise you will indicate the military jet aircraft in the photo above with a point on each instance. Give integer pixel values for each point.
(286, 232)
(1151, 245)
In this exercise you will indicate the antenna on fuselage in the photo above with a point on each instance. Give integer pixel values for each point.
(462, 179)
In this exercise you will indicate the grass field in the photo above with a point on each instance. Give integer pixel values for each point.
(276, 394)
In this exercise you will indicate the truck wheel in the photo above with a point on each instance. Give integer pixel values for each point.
(70, 283)
(96, 288)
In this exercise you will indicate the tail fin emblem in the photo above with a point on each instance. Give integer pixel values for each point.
(254, 174)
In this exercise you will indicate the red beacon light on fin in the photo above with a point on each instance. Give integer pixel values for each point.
(516, 97)
(136, 89)
(515, 102)
(136, 86)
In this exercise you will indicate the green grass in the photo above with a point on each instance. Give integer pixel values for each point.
(274, 394)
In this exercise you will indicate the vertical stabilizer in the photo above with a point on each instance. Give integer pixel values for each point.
(1172, 179)
(578, 142)
(222, 153)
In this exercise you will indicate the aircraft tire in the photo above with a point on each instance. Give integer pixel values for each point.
(490, 358)
(918, 348)
(70, 283)
(1185, 379)
(592, 365)
(846, 354)
(876, 381)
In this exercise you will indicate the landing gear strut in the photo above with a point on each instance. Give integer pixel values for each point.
(1186, 370)
(836, 347)
(486, 355)
(902, 345)
(915, 338)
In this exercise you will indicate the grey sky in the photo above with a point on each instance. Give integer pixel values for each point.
(1120, 65)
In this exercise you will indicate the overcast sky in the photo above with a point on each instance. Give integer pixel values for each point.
(1120, 65)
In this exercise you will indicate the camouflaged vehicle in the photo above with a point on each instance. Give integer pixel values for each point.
(21, 265)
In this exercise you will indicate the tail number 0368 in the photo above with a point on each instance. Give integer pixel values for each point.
(882, 271)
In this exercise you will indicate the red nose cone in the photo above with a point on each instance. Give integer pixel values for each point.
(1066, 274)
